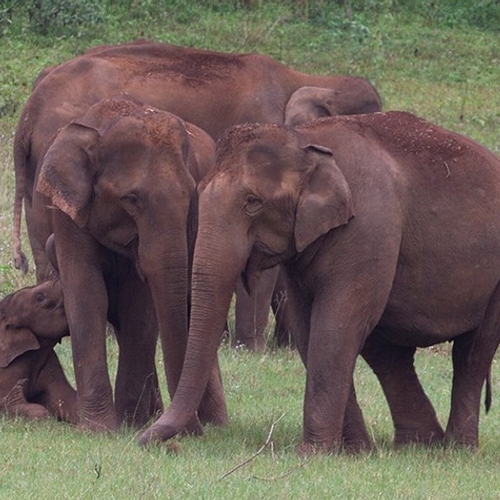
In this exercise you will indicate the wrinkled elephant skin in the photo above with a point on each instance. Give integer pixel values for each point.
(388, 228)
(209, 89)
(123, 176)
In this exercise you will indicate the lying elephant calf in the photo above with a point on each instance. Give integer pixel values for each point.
(32, 381)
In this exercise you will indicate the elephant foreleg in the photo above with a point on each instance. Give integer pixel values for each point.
(212, 409)
(137, 393)
(354, 434)
(355, 437)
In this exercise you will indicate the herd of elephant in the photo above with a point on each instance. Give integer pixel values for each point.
(157, 180)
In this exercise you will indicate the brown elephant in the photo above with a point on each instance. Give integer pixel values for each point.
(209, 89)
(388, 228)
(305, 104)
(32, 380)
(123, 177)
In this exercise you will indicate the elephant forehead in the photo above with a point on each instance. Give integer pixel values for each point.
(228, 186)
(243, 138)
(138, 132)
(256, 155)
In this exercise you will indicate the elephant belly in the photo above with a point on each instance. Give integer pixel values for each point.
(441, 290)
(432, 315)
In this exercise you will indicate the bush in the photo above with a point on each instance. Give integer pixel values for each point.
(60, 18)
(64, 17)
(484, 14)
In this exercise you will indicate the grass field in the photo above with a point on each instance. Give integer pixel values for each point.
(431, 62)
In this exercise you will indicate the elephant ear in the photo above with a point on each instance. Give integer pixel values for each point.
(65, 176)
(14, 342)
(199, 152)
(309, 103)
(325, 201)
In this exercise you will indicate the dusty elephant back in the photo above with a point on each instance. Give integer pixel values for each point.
(443, 191)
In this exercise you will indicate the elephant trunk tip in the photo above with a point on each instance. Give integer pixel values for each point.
(165, 428)
(21, 261)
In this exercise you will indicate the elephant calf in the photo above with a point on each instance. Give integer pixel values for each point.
(32, 381)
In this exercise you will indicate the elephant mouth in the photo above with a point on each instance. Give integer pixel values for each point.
(57, 308)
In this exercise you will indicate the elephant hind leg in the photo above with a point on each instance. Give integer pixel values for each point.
(252, 311)
(473, 354)
(413, 415)
(283, 330)
(15, 403)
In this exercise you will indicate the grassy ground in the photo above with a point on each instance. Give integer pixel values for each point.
(442, 70)
(264, 398)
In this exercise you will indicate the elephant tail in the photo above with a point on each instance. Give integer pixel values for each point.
(487, 397)
(20, 167)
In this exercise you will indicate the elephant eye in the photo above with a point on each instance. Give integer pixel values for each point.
(253, 204)
(131, 198)
(131, 203)
(40, 297)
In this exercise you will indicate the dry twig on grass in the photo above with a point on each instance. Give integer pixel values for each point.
(258, 452)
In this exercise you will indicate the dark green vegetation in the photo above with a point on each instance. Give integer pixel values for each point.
(439, 59)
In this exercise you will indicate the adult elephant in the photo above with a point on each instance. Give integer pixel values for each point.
(123, 176)
(305, 104)
(388, 228)
(209, 89)
(212, 90)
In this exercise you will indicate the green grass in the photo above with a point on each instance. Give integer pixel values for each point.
(430, 59)
(262, 391)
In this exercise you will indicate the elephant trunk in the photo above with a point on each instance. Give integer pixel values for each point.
(216, 268)
(163, 259)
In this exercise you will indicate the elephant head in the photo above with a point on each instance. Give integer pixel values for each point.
(29, 317)
(310, 103)
(126, 173)
(268, 198)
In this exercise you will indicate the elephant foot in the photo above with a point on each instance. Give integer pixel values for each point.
(355, 437)
(349, 446)
(255, 344)
(306, 449)
(420, 437)
(353, 447)
(216, 416)
(30, 411)
(98, 426)
(461, 441)
(193, 428)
